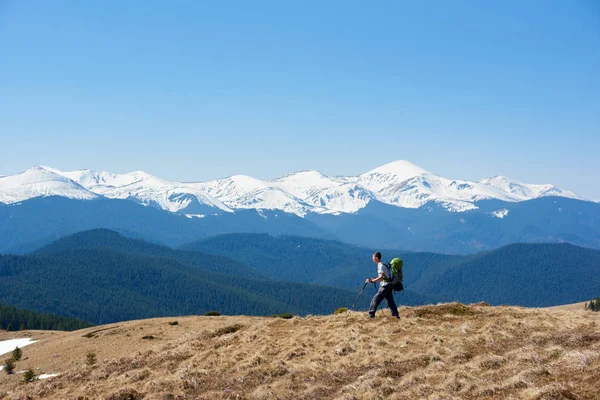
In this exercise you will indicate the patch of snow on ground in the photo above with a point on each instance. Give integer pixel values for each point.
(190, 216)
(7, 346)
(500, 213)
(46, 376)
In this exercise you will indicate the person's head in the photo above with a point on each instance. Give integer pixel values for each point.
(377, 257)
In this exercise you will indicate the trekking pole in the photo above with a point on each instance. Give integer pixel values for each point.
(360, 294)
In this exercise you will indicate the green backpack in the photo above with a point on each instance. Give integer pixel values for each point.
(395, 268)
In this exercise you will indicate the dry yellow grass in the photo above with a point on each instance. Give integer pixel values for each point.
(447, 351)
(571, 307)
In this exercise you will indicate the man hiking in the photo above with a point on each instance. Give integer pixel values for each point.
(385, 288)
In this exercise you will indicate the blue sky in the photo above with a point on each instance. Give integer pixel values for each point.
(194, 90)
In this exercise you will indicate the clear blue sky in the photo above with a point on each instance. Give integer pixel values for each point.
(198, 90)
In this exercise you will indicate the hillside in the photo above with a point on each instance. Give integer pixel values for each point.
(444, 351)
(309, 260)
(32, 223)
(113, 241)
(533, 275)
(102, 286)
(13, 319)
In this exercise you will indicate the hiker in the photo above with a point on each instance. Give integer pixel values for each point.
(385, 288)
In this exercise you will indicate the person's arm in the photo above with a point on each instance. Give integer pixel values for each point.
(378, 279)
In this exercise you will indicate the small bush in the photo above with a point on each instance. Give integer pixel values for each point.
(284, 316)
(29, 376)
(89, 335)
(9, 366)
(173, 323)
(90, 358)
(149, 337)
(594, 305)
(212, 314)
(340, 310)
(17, 353)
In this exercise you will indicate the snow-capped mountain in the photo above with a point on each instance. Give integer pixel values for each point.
(399, 183)
(523, 191)
(170, 196)
(335, 194)
(390, 176)
(100, 182)
(39, 182)
(146, 189)
(243, 192)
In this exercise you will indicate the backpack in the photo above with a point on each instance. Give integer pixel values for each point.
(395, 269)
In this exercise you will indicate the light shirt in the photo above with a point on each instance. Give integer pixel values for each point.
(382, 269)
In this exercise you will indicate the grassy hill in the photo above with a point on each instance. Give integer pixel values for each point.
(448, 351)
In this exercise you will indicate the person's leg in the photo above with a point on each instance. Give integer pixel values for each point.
(377, 299)
(389, 296)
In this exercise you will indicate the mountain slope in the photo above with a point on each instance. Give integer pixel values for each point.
(491, 225)
(36, 222)
(39, 182)
(104, 286)
(307, 260)
(517, 274)
(106, 239)
(536, 275)
(20, 319)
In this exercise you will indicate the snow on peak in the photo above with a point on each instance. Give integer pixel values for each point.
(390, 175)
(317, 190)
(40, 182)
(399, 183)
(302, 179)
(402, 169)
(524, 191)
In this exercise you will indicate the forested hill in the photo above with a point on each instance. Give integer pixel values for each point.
(104, 285)
(311, 260)
(12, 319)
(519, 274)
(107, 239)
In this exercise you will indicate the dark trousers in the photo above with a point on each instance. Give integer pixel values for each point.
(384, 292)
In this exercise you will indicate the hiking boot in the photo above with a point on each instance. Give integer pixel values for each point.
(370, 316)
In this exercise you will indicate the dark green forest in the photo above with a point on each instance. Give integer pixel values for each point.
(103, 285)
(308, 260)
(113, 241)
(533, 275)
(101, 276)
(13, 319)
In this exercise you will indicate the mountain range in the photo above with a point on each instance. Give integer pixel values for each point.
(399, 183)
(398, 205)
